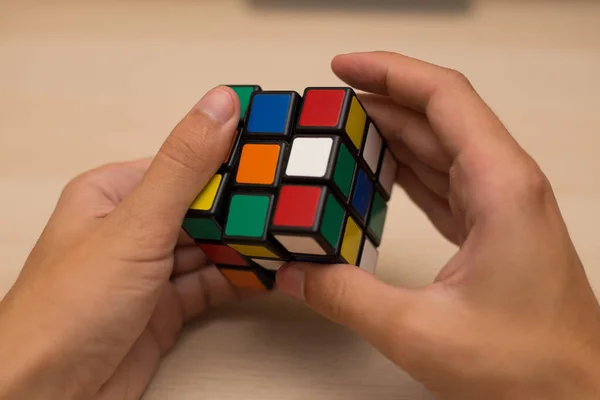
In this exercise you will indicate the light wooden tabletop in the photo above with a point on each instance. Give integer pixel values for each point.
(84, 83)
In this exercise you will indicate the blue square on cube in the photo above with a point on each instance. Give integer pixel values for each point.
(363, 191)
(269, 113)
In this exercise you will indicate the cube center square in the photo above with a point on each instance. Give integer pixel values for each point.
(321, 159)
(306, 178)
(260, 164)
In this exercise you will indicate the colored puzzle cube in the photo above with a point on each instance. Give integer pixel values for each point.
(307, 178)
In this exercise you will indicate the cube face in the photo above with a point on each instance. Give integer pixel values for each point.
(322, 108)
(352, 241)
(306, 178)
(310, 157)
(247, 216)
(244, 93)
(260, 165)
(377, 217)
(221, 254)
(297, 206)
(271, 265)
(308, 220)
(387, 173)
(205, 216)
(372, 149)
(250, 279)
(368, 257)
(333, 110)
(324, 159)
(362, 195)
(271, 114)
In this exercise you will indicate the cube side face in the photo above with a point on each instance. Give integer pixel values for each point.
(306, 178)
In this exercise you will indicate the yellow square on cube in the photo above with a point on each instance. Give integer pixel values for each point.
(351, 241)
(254, 251)
(357, 120)
(204, 201)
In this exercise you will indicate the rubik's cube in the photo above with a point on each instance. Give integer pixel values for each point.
(307, 178)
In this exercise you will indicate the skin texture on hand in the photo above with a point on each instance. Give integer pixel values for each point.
(112, 279)
(511, 315)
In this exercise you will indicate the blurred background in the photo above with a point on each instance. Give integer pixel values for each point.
(83, 83)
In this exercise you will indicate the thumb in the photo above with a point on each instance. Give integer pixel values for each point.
(349, 296)
(186, 161)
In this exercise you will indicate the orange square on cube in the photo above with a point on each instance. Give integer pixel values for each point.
(243, 279)
(259, 164)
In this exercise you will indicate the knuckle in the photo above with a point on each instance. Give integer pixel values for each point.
(523, 184)
(85, 180)
(458, 78)
(534, 184)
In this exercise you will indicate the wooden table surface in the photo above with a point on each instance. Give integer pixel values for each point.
(84, 83)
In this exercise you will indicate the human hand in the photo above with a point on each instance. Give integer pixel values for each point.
(112, 279)
(511, 315)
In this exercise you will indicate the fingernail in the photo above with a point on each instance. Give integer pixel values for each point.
(291, 281)
(217, 104)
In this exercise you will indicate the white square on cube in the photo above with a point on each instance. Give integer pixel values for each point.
(369, 257)
(387, 176)
(309, 157)
(273, 265)
(372, 150)
(301, 245)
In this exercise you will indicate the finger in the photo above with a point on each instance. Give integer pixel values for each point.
(187, 160)
(202, 289)
(187, 259)
(401, 125)
(349, 296)
(435, 208)
(436, 181)
(458, 116)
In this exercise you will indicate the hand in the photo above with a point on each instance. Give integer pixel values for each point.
(511, 315)
(111, 281)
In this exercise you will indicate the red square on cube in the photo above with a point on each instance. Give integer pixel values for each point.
(297, 206)
(223, 254)
(322, 107)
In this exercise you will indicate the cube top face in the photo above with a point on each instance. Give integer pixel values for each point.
(305, 178)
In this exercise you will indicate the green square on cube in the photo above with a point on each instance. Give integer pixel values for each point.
(202, 229)
(247, 215)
